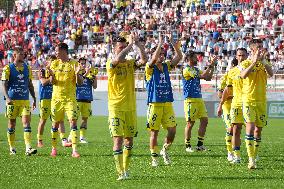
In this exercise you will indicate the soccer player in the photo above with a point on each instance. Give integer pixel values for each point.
(122, 101)
(84, 95)
(194, 107)
(64, 77)
(254, 72)
(224, 108)
(45, 93)
(160, 97)
(234, 87)
(17, 84)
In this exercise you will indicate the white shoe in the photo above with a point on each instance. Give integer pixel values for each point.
(69, 139)
(83, 141)
(189, 149)
(202, 148)
(236, 160)
(252, 164)
(155, 163)
(31, 151)
(230, 157)
(166, 157)
(121, 177)
(13, 151)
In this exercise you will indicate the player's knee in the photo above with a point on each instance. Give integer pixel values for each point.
(189, 124)
(12, 123)
(204, 121)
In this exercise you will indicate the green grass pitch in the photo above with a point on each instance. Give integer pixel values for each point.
(95, 168)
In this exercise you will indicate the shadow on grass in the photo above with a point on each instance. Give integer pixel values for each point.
(191, 155)
(240, 178)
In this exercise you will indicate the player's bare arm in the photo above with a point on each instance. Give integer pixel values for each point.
(32, 92)
(266, 64)
(5, 91)
(156, 54)
(142, 54)
(208, 73)
(44, 81)
(178, 54)
(255, 57)
(79, 78)
(120, 57)
(94, 82)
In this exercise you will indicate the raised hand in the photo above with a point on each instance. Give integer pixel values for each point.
(160, 38)
(256, 56)
(213, 59)
(88, 69)
(77, 69)
(131, 39)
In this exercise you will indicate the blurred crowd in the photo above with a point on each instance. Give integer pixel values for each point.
(90, 28)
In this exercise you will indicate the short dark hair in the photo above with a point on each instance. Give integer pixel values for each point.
(17, 49)
(82, 58)
(63, 46)
(242, 49)
(234, 62)
(190, 53)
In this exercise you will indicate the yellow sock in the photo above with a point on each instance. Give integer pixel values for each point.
(126, 157)
(228, 140)
(27, 137)
(257, 142)
(166, 146)
(54, 136)
(82, 132)
(237, 152)
(200, 140)
(118, 158)
(74, 138)
(154, 153)
(11, 137)
(62, 136)
(187, 143)
(39, 137)
(250, 146)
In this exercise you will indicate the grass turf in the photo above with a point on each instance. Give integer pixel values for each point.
(95, 168)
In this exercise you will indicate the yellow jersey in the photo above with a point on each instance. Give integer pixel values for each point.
(64, 87)
(121, 86)
(5, 77)
(254, 86)
(234, 79)
(223, 82)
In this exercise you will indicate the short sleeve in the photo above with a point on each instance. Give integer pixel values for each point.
(30, 73)
(148, 72)
(229, 80)
(169, 64)
(5, 73)
(109, 64)
(223, 81)
(187, 73)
